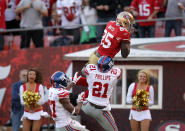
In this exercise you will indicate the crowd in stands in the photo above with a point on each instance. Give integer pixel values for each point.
(70, 14)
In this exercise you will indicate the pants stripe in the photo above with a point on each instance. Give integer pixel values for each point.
(69, 128)
(110, 120)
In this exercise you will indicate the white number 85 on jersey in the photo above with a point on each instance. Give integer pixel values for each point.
(106, 39)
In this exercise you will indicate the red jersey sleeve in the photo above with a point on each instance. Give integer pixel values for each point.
(124, 34)
(86, 93)
(82, 82)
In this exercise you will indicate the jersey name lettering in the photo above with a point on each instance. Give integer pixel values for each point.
(102, 77)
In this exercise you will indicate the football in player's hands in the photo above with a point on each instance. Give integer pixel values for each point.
(76, 78)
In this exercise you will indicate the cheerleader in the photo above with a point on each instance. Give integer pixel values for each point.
(32, 114)
(140, 118)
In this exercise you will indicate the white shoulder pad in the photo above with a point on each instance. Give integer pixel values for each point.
(89, 68)
(116, 72)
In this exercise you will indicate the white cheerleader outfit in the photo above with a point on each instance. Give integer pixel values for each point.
(141, 114)
(36, 114)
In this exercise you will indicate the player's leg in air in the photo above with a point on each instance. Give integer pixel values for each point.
(104, 118)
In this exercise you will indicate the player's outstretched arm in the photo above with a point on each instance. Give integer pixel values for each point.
(75, 79)
(69, 107)
(125, 49)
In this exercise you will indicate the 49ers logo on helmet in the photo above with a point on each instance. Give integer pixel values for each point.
(126, 17)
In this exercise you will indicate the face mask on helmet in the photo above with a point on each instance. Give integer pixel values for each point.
(59, 80)
(125, 19)
(105, 64)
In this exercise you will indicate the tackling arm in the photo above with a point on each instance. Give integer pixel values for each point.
(69, 107)
(125, 49)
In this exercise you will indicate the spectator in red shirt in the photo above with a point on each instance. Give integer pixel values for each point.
(145, 10)
(2, 23)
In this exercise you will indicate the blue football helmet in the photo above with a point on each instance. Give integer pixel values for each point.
(59, 80)
(105, 64)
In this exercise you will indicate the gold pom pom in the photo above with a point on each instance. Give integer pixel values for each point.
(30, 98)
(141, 99)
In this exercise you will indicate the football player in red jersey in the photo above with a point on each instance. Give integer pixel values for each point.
(116, 37)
